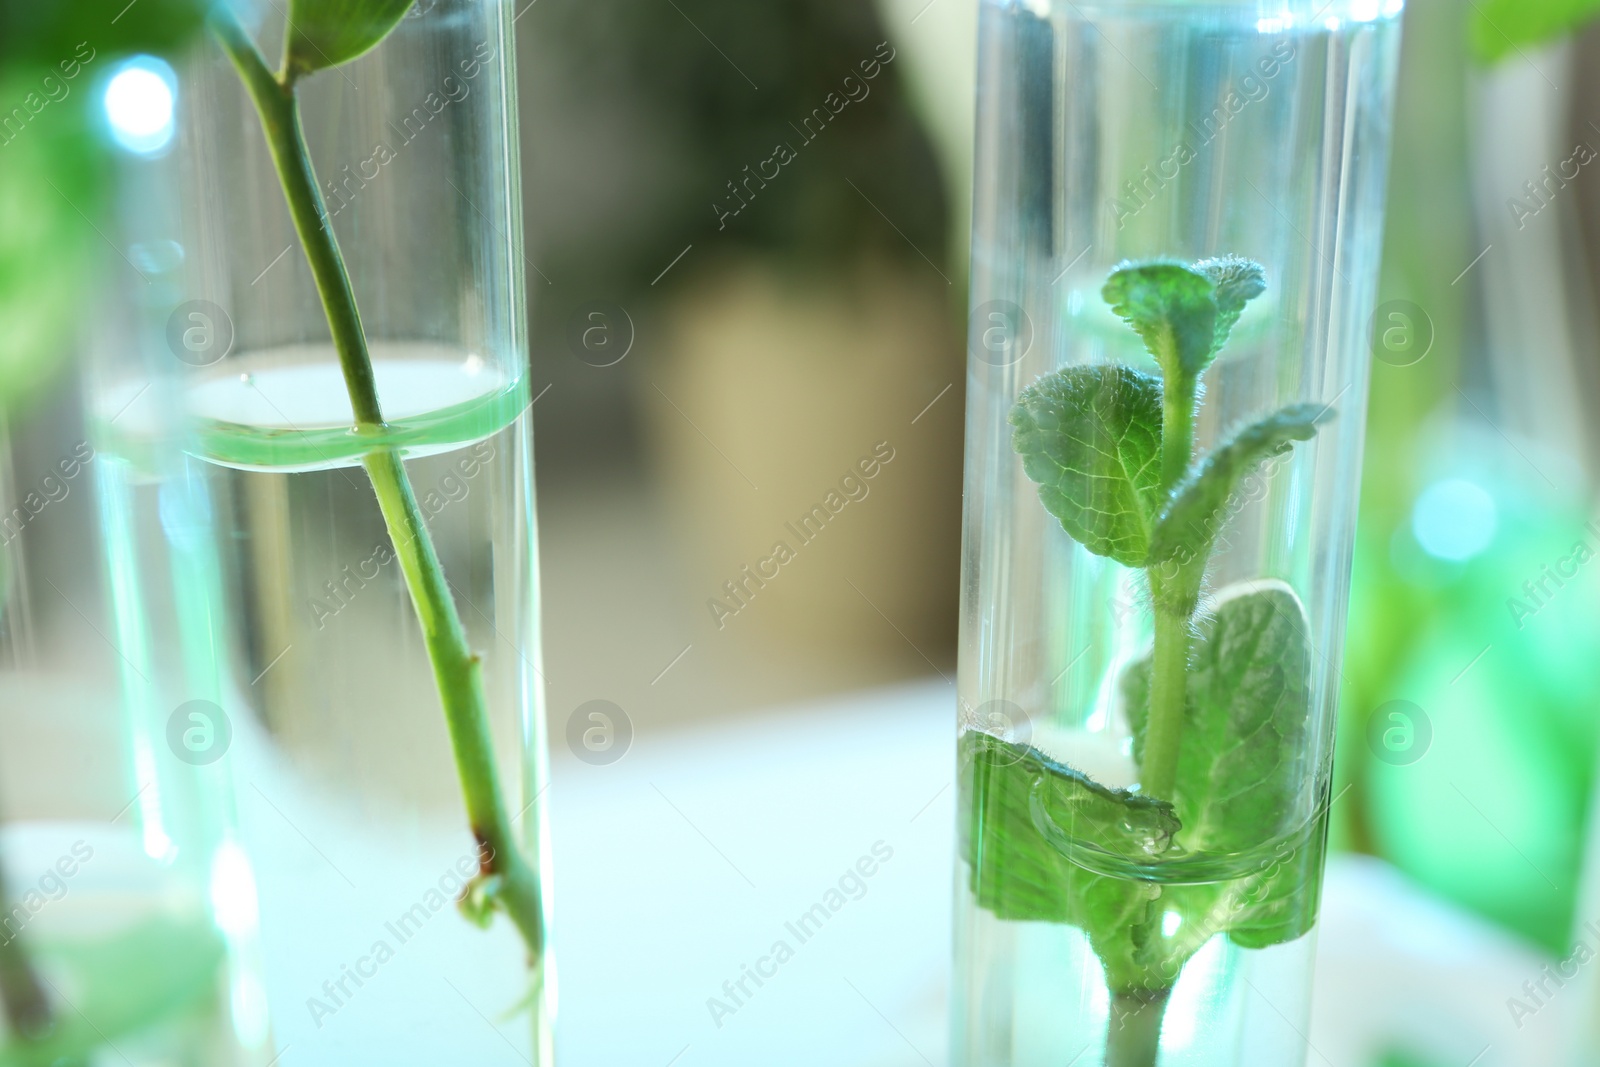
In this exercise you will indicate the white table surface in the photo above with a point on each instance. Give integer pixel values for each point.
(681, 863)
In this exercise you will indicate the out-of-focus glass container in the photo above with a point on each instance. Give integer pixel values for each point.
(127, 906)
(351, 805)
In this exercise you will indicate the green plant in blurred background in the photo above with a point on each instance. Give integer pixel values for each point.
(1490, 810)
(53, 167)
(1501, 27)
(53, 191)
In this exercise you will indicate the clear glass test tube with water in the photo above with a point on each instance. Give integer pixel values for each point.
(1177, 221)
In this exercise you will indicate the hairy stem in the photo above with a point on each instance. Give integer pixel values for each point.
(1170, 588)
(1168, 683)
(1177, 431)
(1133, 1032)
(510, 880)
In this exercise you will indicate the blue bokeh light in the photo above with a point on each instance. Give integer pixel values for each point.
(140, 104)
(1454, 519)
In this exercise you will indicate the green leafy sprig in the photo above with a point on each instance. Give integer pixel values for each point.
(54, 168)
(1219, 712)
(323, 34)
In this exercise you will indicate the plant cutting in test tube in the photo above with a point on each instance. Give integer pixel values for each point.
(1219, 709)
(322, 34)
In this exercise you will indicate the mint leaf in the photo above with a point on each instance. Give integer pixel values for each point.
(1091, 438)
(1279, 904)
(1227, 849)
(1500, 26)
(326, 33)
(1238, 281)
(1190, 524)
(1018, 801)
(1173, 309)
(1247, 715)
(1015, 794)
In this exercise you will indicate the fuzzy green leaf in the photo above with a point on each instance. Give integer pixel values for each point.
(326, 33)
(1015, 872)
(1173, 309)
(1500, 27)
(1238, 281)
(1186, 530)
(1012, 794)
(1281, 904)
(1091, 438)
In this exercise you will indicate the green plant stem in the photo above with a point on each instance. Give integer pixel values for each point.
(1168, 685)
(508, 878)
(1177, 430)
(459, 674)
(1133, 1033)
(279, 108)
(1174, 608)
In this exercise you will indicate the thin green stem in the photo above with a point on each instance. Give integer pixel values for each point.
(507, 878)
(1170, 588)
(279, 109)
(1133, 1033)
(458, 672)
(1168, 682)
(1177, 431)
